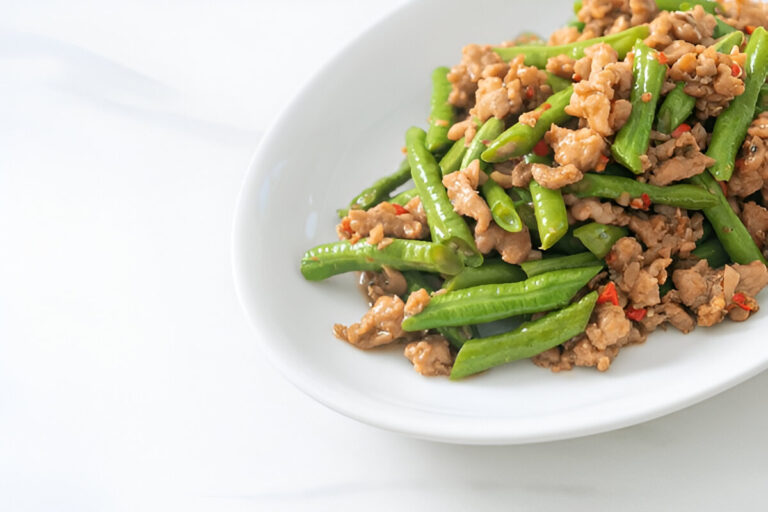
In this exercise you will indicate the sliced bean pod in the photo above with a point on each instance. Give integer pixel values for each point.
(732, 124)
(529, 339)
(447, 226)
(551, 215)
(726, 43)
(451, 161)
(727, 225)
(334, 258)
(648, 76)
(538, 55)
(557, 83)
(536, 267)
(441, 113)
(487, 303)
(676, 108)
(520, 138)
(403, 197)
(493, 271)
(721, 28)
(381, 189)
(762, 100)
(599, 238)
(690, 197)
(712, 251)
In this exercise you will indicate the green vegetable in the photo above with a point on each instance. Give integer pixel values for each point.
(712, 251)
(726, 43)
(520, 138)
(536, 267)
(557, 83)
(493, 271)
(721, 28)
(451, 161)
(684, 5)
(487, 303)
(327, 260)
(612, 187)
(380, 190)
(538, 55)
(648, 76)
(529, 339)
(762, 100)
(447, 226)
(676, 108)
(731, 125)
(441, 113)
(403, 197)
(599, 238)
(727, 226)
(501, 205)
(551, 216)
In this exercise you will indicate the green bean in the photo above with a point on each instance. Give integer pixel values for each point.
(712, 251)
(762, 100)
(447, 226)
(578, 25)
(732, 124)
(569, 244)
(727, 226)
(456, 336)
(381, 189)
(551, 216)
(487, 303)
(726, 43)
(599, 238)
(451, 161)
(721, 28)
(557, 83)
(441, 113)
(648, 76)
(328, 260)
(676, 108)
(403, 197)
(684, 5)
(494, 271)
(538, 55)
(577, 5)
(536, 267)
(501, 205)
(690, 197)
(520, 138)
(529, 339)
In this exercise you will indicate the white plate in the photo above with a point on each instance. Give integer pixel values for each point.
(344, 130)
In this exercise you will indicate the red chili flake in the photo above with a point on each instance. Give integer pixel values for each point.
(576, 77)
(750, 29)
(662, 58)
(529, 92)
(486, 142)
(635, 314)
(723, 187)
(735, 70)
(541, 148)
(684, 127)
(646, 201)
(600, 167)
(346, 226)
(545, 107)
(741, 300)
(404, 150)
(399, 210)
(609, 294)
(646, 97)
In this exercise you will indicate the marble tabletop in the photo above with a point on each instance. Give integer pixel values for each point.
(129, 377)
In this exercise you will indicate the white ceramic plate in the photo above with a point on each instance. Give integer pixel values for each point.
(344, 130)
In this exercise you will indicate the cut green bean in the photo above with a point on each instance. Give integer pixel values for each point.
(762, 100)
(721, 28)
(381, 189)
(551, 215)
(403, 197)
(690, 197)
(488, 303)
(538, 55)
(451, 161)
(732, 124)
(712, 251)
(493, 271)
(520, 138)
(447, 226)
(648, 76)
(455, 335)
(328, 260)
(536, 267)
(501, 205)
(557, 83)
(676, 108)
(529, 339)
(726, 224)
(441, 113)
(726, 43)
(599, 238)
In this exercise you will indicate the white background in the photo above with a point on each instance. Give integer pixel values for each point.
(129, 378)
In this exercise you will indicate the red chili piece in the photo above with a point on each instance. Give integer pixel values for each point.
(529, 91)
(399, 210)
(646, 201)
(750, 29)
(741, 300)
(723, 186)
(684, 127)
(541, 148)
(609, 294)
(735, 70)
(662, 58)
(635, 314)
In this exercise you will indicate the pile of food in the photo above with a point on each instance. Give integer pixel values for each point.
(571, 195)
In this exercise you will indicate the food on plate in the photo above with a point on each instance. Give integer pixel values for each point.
(572, 195)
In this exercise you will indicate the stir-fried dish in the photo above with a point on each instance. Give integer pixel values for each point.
(572, 195)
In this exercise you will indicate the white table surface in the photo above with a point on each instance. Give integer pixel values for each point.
(129, 377)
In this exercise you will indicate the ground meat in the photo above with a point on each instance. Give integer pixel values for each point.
(521, 88)
(430, 356)
(564, 35)
(694, 26)
(751, 171)
(561, 65)
(377, 284)
(583, 148)
(669, 233)
(360, 223)
(594, 98)
(610, 326)
(602, 17)
(755, 219)
(555, 177)
(520, 175)
(713, 78)
(416, 302)
(462, 191)
(591, 208)
(513, 247)
(380, 325)
(753, 277)
(744, 13)
(465, 76)
(676, 159)
(466, 128)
